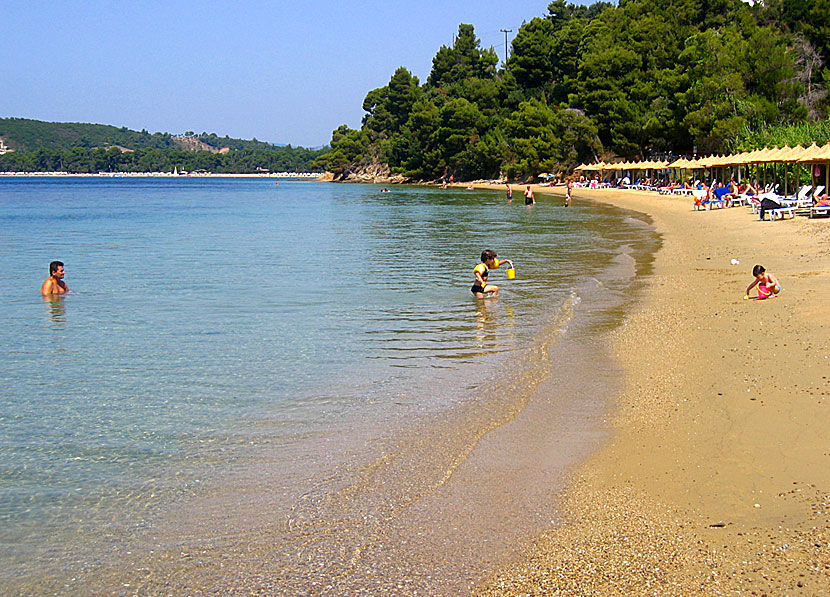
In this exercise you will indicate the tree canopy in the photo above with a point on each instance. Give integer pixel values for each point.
(634, 79)
(90, 148)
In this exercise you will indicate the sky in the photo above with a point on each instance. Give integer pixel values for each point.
(279, 71)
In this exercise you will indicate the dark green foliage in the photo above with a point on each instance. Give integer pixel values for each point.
(348, 147)
(23, 134)
(544, 139)
(91, 161)
(463, 61)
(586, 81)
(91, 148)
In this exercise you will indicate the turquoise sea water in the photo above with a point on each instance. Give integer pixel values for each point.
(213, 322)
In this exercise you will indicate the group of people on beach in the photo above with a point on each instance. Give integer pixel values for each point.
(768, 284)
(530, 199)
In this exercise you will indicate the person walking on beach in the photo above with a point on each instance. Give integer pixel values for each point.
(54, 284)
(768, 284)
(529, 198)
(568, 191)
(509, 192)
(482, 271)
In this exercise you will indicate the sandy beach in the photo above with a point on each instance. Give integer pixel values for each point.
(717, 478)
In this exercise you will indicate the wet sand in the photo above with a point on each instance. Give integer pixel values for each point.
(714, 478)
(717, 476)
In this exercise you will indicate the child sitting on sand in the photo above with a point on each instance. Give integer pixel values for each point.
(482, 270)
(768, 284)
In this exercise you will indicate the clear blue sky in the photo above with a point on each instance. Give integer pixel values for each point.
(284, 72)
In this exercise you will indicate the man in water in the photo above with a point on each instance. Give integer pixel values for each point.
(529, 198)
(54, 284)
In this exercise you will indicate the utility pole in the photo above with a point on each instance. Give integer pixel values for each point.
(505, 31)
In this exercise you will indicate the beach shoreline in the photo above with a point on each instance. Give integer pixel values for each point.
(406, 498)
(716, 479)
(703, 472)
(306, 176)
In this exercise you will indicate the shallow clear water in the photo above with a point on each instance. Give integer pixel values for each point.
(216, 320)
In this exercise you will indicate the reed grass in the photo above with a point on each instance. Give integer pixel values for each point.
(804, 134)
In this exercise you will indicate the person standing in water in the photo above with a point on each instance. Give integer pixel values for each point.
(568, 191)
(509, 192)
(54, 284)
(529, 198)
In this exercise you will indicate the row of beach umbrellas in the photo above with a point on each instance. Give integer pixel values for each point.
(814, 154)
(650, 164)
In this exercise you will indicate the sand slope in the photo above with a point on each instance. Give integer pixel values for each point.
(718, 477)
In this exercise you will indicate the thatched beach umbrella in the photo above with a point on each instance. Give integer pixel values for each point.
(816, 154)
(678, 164)
(591, 167)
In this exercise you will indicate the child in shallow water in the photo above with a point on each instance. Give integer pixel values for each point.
(482, 271)
(768, 284)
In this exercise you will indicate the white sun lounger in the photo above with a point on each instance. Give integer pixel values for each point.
(819, 210)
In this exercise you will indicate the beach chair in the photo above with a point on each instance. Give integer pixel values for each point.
(775, 214)
(787, 207)
(700, 199)
(822, 209)
(717, 199)
(816, 196)
(803, 198)
(819, 209)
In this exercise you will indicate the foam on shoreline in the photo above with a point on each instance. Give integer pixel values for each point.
(717, 478)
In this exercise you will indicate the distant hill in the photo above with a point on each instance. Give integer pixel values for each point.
(23, 134)
(38, 146)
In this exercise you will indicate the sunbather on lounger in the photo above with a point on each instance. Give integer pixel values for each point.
(721, 193)
(748, 189)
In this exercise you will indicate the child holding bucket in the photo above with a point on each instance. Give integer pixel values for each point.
(482, 270)
(768, 284)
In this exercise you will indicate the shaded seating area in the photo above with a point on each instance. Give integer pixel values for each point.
(787, 194)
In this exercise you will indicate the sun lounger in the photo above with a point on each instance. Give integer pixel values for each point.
(775, 214)
(776, 207)
(700, 199)
(804, 198)
(815, 197)
(820, 209)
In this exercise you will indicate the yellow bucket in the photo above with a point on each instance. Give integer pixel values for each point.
(511, 273)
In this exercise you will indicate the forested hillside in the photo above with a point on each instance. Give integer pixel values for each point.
(23, 134)
(88, 148)
(643, 78)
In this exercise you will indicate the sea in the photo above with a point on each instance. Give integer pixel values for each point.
(287, 387)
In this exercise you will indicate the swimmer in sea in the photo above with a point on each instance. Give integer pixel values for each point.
(54, 284)
(765, 281)
(482, 271)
